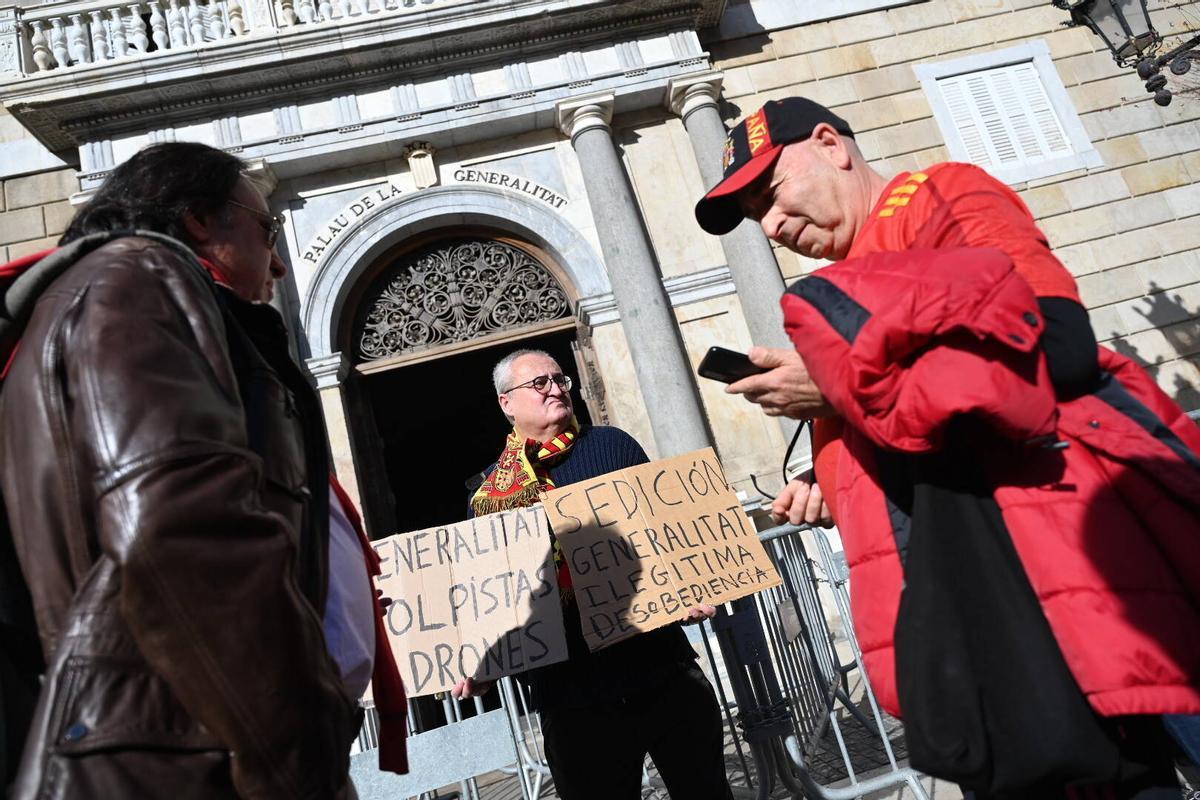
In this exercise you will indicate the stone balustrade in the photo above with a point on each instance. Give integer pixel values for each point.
(58, 36)
(66, 35)
(307, 12)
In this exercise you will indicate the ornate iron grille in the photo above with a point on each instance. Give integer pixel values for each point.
(457, 291)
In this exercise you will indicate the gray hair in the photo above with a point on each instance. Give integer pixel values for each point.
(502, 372)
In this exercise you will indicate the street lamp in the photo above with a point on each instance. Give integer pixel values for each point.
(1127, 31)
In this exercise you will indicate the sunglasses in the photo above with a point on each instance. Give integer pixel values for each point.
(271, 223)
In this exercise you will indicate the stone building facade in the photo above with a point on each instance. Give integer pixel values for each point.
(462, 177)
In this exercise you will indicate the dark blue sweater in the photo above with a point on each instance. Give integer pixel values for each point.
(599, 449)
(634, 668)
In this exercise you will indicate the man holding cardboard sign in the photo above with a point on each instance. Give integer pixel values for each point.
(603, 711)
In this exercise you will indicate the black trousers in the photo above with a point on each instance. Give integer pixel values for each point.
(596, 752)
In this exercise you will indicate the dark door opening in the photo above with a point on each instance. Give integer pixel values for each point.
(439, 424)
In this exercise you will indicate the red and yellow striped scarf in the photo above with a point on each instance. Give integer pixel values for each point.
(521, 477)
(522, 473)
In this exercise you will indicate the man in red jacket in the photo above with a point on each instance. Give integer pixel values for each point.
(958, 389)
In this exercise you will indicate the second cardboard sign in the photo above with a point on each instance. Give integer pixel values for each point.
(647, 543)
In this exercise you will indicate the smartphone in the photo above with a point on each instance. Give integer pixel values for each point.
(727, 366)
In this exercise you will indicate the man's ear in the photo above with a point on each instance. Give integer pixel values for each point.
(199, 231)
(504, 405)
(830, 142)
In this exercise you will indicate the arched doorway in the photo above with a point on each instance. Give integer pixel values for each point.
(432, 318)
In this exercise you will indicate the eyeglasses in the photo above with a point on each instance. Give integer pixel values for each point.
(271, 223)
(541, 384)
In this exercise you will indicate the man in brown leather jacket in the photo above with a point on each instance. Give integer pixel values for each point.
(164, 467)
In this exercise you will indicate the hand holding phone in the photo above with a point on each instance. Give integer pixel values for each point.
(785, 388)
(727, 366)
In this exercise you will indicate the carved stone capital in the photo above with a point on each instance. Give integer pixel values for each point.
(579, 114)
(420, 162)
(692, 92)
(329, 371)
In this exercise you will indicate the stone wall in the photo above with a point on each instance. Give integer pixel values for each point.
(33, 198)
(34, 211)
(1128, 230)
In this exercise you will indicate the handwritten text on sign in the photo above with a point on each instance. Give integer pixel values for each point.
(645, 544)
(477, 599)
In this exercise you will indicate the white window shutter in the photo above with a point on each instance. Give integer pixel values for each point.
(1046, 122)
(1008, 111)
(1004, 116)
(954, 90)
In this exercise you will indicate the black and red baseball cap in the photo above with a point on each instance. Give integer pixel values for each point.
(751, 149)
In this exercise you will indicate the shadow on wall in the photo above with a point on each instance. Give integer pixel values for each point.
(1181, 327)
(731, 112)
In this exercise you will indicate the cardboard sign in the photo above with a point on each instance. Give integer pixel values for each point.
(645, 544)
(476, 599)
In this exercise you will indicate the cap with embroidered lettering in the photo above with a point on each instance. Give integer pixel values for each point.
(751, 149)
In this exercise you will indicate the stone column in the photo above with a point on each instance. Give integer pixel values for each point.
(330, 373)
(747, 252)
(664, 372)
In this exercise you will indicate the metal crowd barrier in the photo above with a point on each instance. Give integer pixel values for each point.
(472, 743)
(791, 682)
(796, 723)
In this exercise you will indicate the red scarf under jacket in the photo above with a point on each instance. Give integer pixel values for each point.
(10, 272)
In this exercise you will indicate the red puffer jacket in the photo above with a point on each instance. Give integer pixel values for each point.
(1107, 527)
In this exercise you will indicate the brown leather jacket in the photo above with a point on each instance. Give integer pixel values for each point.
(160, 453)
